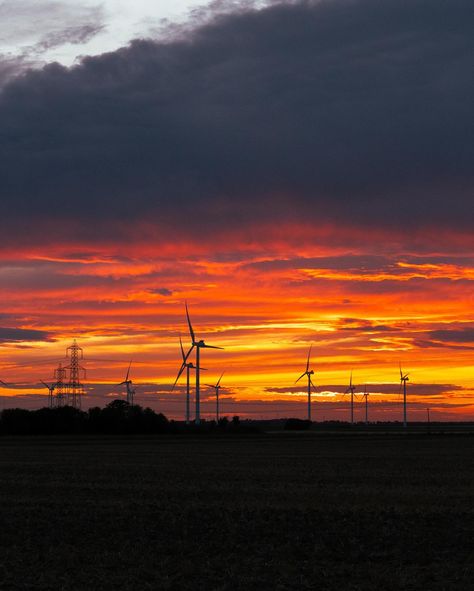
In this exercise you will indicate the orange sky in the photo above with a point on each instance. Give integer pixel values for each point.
(365, 305)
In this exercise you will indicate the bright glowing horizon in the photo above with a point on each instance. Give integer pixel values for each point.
(265, 312)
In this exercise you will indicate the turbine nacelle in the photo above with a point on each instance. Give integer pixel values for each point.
(202, 345)
(403, 377)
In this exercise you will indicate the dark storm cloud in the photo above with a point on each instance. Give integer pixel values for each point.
(355, 111)
(11, 65)
(13, 335)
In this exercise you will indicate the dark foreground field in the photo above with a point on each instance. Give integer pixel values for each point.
(287, 511)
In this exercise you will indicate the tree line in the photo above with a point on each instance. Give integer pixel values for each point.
(117, 418)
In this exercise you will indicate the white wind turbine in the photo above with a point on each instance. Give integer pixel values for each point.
(217, 387)
(308, 373)
(189, 366)
(198, 345)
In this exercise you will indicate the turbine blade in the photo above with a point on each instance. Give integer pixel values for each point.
(179, 375)
(210, 346)
(219, 381)
(307, 362)
(188, 354)
(182, 350)
(350, 385)
(128, 371)
(191, 331)
(301, 376)
(44, 384)
(311, 382)
(400, 365)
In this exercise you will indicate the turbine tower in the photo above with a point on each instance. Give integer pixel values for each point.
(128, 384)
(51, 388)
(366, 397)
(198, 345)
(403, 381)
(308, 373)
(75, 389)
(217, 387)
(189, 366)
(351, 389)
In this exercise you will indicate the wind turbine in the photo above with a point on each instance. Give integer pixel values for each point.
(308, 373)
(189, 366)
(217, 387)
(128, 384)
(198, 345)
(51, 388)
(351, 389)
(403, 380)
(366, 397)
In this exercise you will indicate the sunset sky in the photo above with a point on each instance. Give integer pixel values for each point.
(299, 172)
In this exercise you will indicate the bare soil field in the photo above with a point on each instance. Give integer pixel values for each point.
(272, 512)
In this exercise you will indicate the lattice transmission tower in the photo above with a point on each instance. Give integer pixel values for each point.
(74, 388)
(60, 381)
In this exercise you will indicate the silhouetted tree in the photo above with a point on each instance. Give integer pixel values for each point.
(223, 423)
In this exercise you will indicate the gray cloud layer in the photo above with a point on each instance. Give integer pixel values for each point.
(13, 335)
(354, 110)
